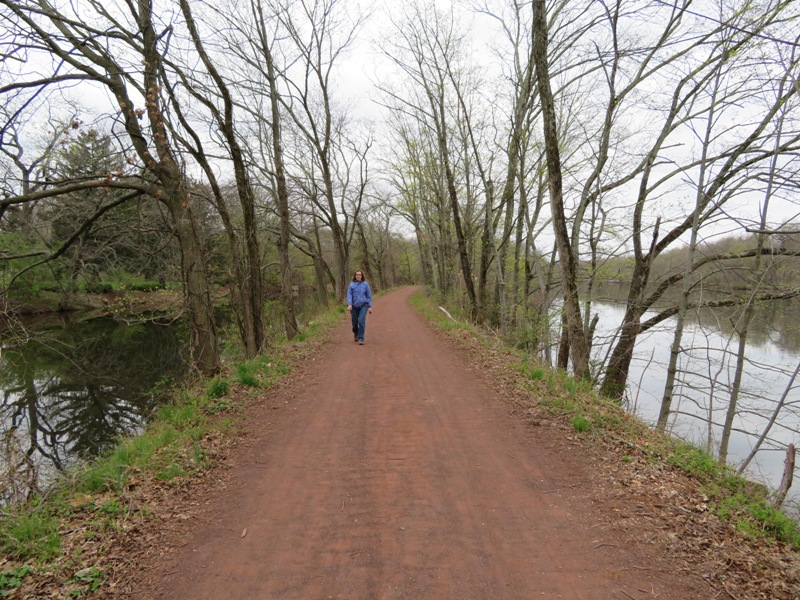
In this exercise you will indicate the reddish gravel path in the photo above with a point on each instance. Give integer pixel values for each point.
(393, 471)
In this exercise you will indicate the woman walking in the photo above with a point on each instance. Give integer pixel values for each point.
(359, 302)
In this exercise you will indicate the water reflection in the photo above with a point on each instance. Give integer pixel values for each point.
(707, 369)
(69, 393)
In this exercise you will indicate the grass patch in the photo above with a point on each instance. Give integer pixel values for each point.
(697, 462)
(753, 515)
(93, 499)
(157, 450)
(217, 387)
(245, 375)
(30, 536)
(570, 385)
(260, 371)
(581, 424)
(733, 498)
(449, 321)
(533, 372)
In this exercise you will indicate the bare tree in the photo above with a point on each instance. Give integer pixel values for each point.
(96, 50)
(579, 348)
(290, 320)
(675, 350)
(697, 57)
(416, 175)
(743, 326)
(319, 37)
(249, 273)
(427, 43)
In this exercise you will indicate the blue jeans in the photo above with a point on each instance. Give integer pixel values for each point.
(359, 317)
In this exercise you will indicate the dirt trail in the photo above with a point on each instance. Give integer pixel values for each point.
(392, 470)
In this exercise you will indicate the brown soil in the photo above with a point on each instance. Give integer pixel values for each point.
(399, 469)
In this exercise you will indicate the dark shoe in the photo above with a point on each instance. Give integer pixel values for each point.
(355, 338)
(360, 342)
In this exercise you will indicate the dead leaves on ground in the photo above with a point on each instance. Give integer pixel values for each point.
(655, 502)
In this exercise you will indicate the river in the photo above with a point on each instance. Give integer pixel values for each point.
(707, 365)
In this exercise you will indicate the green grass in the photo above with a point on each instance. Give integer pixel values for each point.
(30, 536)
(753, 515)
(431, 311)
(156, 450)
(581, 424)
(217, 387)
(534, 372)
(696, 461)
(112, 507)
(733, 498)
(11, 579)
(570, 385)
(245, 375)
(260, 371)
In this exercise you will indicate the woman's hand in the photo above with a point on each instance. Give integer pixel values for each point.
(370, 311)
(349, 307)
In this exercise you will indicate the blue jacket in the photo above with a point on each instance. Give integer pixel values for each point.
(358, 294)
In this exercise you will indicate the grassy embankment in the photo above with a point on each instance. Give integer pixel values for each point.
(62, 541)
(712, 524)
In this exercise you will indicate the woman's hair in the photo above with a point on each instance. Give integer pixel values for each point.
(362, 275)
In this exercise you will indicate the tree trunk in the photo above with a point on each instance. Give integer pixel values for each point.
(749, 311)
(287, 291)
(250, 282)
(518, 250)
(365, 262)
(487, 240)
(675, 350)
(788, 476)
(568, 262)
(203, 333)
(616, 376)
(462, 242)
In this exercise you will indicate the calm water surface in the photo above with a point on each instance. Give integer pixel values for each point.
(70, 392)
(707, 369)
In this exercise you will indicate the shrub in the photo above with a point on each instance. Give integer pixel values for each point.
(99, 287)
(217, 387)
(145, 286)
